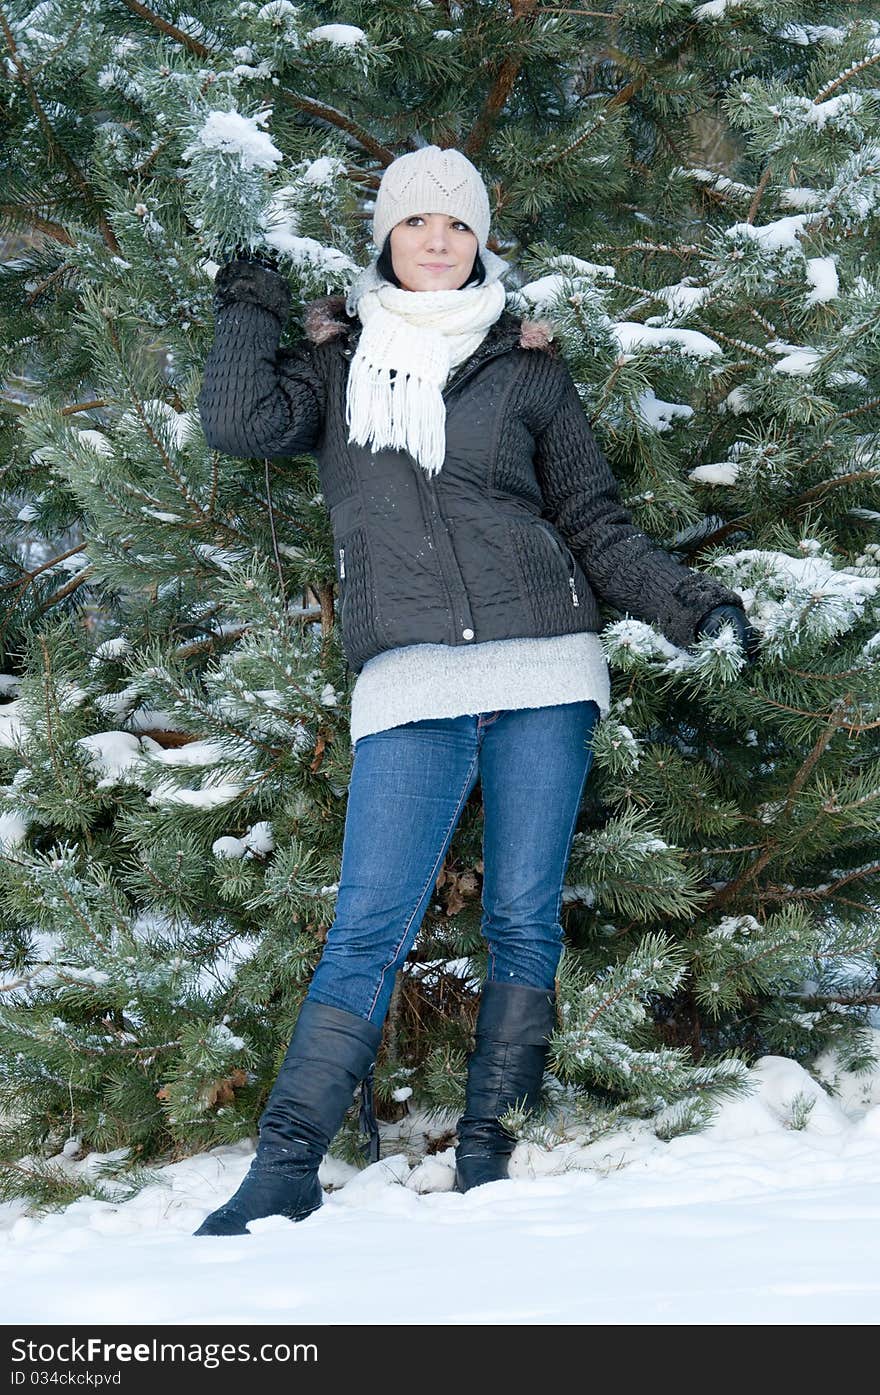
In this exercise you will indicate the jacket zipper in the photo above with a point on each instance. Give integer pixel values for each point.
(341, 583)
(436, 511)
(563, 549)
(441, 545)
(429, 484)
(475, 369)
(567, 555)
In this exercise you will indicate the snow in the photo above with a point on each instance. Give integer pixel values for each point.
(339, 34)
(542, 294)
(822, 276)
(838, 112)
(682, 298)
(95, 440)
(659, 414)
(193, 753)
(798, 361)
(718, 472)
(260, 838)
(767, 1216)
(12, 725)
(121, 757)
(731, 925)
(799, 196)
(309, 254)
(737, 401)
(813, 577)
(808, 34)
(13, 830)
(117, 756)
(721, 182)
(210, 796)
(228, 847)
(276, 10)
(716, 9)
(631, 336)
(161, 515)
(774, 236)
(110, 649)
(234, 134)
(218, 1037)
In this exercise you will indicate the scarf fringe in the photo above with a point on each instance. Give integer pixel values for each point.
(414, 410)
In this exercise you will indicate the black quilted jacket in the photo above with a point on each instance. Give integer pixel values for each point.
(520, 533)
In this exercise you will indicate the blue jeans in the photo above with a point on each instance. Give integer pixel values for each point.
(408, 788)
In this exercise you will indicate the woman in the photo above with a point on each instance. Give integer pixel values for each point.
(475, 524)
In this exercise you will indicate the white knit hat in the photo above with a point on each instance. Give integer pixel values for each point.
(431, 180)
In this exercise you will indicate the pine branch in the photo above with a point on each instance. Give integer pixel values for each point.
(167, 463)
(25, 217)
(819, 893)
(853, 71)
(67, 589)
(856, 727)
(501, 88)
(171, 31)
(28, 577)
(728, 892)
(334, 117)
(854, 1000)
(56, 149)
(759, 192)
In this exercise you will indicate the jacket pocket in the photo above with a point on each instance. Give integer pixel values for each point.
(566, 555)
(553, 588)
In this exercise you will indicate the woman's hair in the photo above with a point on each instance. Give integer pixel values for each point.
(385, 267)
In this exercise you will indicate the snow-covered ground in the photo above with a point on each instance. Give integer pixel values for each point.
(770, 1215)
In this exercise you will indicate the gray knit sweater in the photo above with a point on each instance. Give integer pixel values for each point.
(417, 681)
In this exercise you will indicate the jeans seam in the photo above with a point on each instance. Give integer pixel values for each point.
(431, 875)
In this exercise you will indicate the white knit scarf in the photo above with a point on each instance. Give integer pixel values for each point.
(422, 335)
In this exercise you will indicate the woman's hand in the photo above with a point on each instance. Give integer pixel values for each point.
(250, 279)
(261, 256)
(712, 622)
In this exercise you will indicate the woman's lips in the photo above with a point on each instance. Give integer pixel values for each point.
(435, 266)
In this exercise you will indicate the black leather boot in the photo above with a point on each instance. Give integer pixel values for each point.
(505, 1068)
(329, 1053)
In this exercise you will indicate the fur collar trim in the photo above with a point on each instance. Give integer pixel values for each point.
(326, 318)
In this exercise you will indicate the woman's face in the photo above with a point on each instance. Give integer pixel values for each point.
(426, 241)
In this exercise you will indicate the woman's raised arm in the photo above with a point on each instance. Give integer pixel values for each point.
(257, 399)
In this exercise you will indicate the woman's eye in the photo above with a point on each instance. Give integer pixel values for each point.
(416, 218)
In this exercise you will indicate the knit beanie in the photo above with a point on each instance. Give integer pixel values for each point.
(431, 180)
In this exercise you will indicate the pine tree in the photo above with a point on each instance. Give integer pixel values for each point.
(691, 193)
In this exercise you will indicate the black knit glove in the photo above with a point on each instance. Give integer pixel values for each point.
(263, 256)
(719, 615)
(249, 278)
